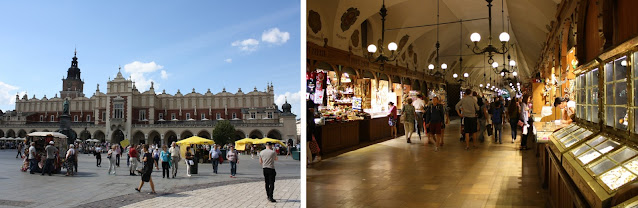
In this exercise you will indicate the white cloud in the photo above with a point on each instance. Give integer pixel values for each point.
(164, 75)
(248, 45)
(229, 60)
(7, 94)
(275, 36)
(294, 98)
(140, 73)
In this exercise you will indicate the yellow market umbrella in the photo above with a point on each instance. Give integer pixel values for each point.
(241, 144)
(125, 142)
(195, 140)
(264, 140)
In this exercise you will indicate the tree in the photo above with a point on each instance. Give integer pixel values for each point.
(224, 133)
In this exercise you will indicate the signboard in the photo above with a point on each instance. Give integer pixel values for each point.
(356, 103)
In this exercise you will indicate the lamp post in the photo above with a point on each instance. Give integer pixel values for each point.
(490, 49)
(381, 59)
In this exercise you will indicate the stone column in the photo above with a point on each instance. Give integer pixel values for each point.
(146, 138)
(162, 138)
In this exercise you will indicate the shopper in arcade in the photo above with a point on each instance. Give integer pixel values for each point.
(513, 114)
(497, 120)
(527, 121)
(435, 115)
(392, 119)
(469, 107)
(419, 107)
(566, 111)
(407, 116)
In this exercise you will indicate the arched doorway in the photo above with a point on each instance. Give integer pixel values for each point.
(22, 133)
(204, 134)
(117, 136)
(155, 137)
(99, 135)
(138, 138)
(32, 130)
(85, 135)
(256, 134)
(239, 134)
(186, 134)
(274, 134)
(170, 137)
(1, 133)
(11, 133)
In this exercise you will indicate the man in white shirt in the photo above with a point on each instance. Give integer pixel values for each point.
(419, 106)
(175, 158)
(267, 160)
(33, 163)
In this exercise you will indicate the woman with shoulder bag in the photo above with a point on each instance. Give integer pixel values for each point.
(111, 156)
(147, 170)
(526, 120)
(189, 161)
(233, 158)
(513, 112)
(407, 118)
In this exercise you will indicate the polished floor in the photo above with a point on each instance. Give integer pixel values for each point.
(396, 174)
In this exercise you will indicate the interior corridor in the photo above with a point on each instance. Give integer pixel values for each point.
(397, 174)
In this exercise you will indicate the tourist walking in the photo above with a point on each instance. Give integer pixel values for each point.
(189, 161)
(147, 170)
(165, 156)
(128, 157)
(98, 156)
(112, 160)
(19, 148)
(132, 155)
(267, 160)
(51, 153)
(214, 157)
(70, 160)
(33, 163)
(118, 152)
(514, 112)
(497, 120)
(392, 119)
(482, 116)
(527, 121)
(468, 106)
(407, 118)
(435, 116)
(156, 156)
(233, 158)
(175, 158)
(419, 107)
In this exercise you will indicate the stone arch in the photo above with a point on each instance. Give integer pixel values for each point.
(84, 135)
(170, 136)
(154, 137)
(117, 136)
(46, 130)
(256, 134)
(22, 133)
(99, 135)
(73, 135)
(11, 133)
(32, 130)
(186, 134)
(416, 85)
(274, 134)
(239, 134)
(138, 138)
(204, 134)
(1, 133)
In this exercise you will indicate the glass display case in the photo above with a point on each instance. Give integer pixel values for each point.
(593, 149)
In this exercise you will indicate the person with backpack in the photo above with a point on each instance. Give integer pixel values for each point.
(497, 120)
(435, 115)
(482, 116)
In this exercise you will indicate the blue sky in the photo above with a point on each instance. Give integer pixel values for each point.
(176, 44)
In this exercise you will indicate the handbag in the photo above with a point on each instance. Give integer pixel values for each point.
(314, 146)
(520, 123)
(402, 119)
(390, 121)
(221, 160)
(490, 130)
(190, 162)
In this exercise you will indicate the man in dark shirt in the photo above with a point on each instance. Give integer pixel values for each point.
(435, 115)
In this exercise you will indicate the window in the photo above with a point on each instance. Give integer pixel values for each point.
(172, 116)
(253, 115)
(587, 96)
(103, 116)
(616, 114)
(142, 115)
(218, 116)
(188, 116)
(41, 118)
(88, 118)
(635, 86)
(161, 116)
(270, 115)
(75, 118)
(234, 115)
(203, 116)
(52, 118)
(119, 110)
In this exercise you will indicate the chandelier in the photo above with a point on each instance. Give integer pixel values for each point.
(490, 49)
(443, 66)
(381, 58)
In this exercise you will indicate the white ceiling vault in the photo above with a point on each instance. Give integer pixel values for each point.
(529, 25)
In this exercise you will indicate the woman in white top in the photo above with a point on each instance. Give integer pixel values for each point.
(112, 159)
(70, 158)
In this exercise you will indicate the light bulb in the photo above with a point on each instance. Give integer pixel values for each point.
(495, 64)
(431, 66)
(475, 37)
(392, 46)
(514, 73)
(518, 84)
(443, 66)
(623, 63)
(502, 74)
(455, 75)
(480, 85)
(512, 63)
(466, 75)
(504, 37)
(488, 84)
(372, 48)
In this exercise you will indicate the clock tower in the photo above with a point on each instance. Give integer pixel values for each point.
(72, 85)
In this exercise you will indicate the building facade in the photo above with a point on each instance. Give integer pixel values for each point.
(123, 112)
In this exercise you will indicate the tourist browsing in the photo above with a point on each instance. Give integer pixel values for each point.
(267, 160)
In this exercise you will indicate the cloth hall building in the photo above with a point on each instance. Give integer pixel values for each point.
(123, 112)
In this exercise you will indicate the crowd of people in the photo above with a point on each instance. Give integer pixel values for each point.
(478, 114)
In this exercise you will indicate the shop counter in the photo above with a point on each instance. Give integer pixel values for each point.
(337, 136)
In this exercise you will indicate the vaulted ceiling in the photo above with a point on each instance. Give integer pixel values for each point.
(340, 22)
